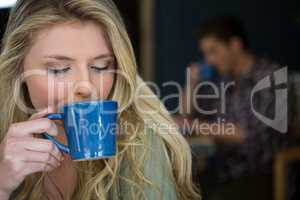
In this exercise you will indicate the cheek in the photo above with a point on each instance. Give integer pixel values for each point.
(103, 85)
(229, 59)
(45, 92)
(38, 91)
(223, 56)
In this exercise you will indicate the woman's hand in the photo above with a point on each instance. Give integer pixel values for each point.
(22, 154)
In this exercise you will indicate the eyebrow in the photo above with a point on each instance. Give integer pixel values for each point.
(66, 58)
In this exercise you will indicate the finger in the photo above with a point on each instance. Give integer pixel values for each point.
(195, 68)
(42, 113)
(28, 128)
(31, 156)
(43, 146)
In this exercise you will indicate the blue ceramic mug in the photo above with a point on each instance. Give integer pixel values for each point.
(90, 128)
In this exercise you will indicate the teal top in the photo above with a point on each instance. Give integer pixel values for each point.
(156, 170)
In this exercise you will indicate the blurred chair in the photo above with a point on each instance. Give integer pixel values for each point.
(282, 160)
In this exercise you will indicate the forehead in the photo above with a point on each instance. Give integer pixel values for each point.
(212, 41)
(77, 38)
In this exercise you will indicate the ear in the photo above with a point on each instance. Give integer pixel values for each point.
(236, 44)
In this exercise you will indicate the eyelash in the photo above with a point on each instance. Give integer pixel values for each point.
(60, 71)
(98, 69)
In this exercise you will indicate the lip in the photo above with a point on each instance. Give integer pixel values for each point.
(88, 102)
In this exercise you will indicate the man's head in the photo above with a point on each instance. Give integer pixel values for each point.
(222, 40)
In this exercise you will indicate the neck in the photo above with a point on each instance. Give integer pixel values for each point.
(244, 64)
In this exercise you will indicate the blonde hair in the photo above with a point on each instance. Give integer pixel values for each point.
(96, 179)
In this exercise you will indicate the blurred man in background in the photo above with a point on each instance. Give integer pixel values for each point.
(242, 165)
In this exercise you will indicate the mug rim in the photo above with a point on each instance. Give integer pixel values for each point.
(89, 102)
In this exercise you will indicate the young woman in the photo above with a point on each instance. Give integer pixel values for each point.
(81, 42)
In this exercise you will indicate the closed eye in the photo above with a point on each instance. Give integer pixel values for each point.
(98, 68)
(58, 71)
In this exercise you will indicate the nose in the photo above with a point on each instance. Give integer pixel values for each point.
(82, 91)
(82, 88)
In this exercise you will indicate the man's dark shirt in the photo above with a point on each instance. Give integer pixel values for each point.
(261, 142)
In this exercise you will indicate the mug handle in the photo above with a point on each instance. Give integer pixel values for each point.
(56, 116)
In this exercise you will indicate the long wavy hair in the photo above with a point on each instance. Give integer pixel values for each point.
(96, 179)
